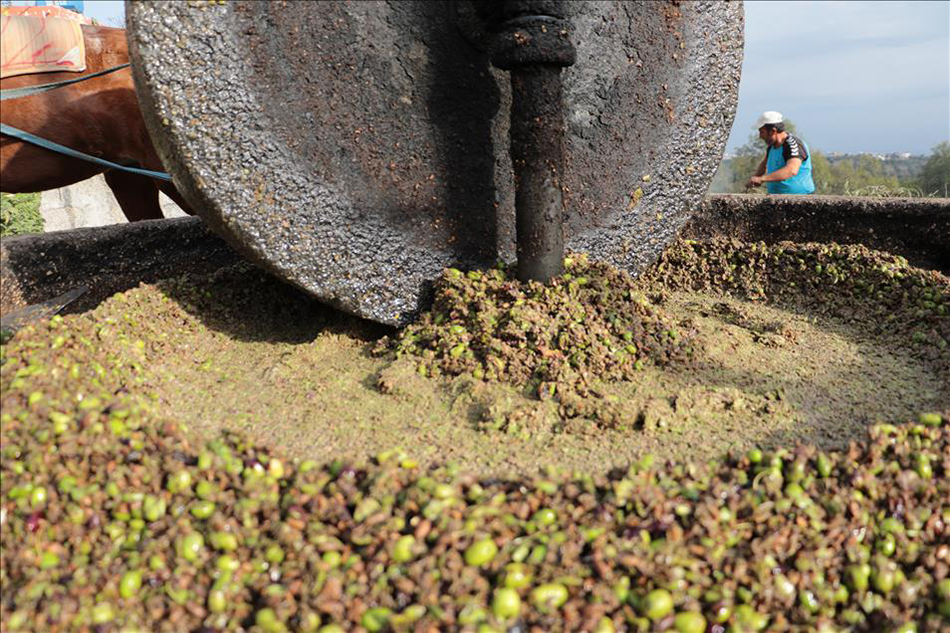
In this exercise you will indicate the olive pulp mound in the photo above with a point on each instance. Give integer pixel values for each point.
(558, 340)
(724, 345)
(114, 516)
(595, 325)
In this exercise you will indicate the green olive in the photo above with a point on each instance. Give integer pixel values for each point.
(472, 613)
(858, 577)
(204, 489)
(689, 622)
(657, 604)
(274, 554)
(48, 560)
(266, 618)
(190, 546)
(517, 576)
(784, 588)
(411, 614)
(884, 577)
(227, 563)
(179, 482)
(749, 619)
(38, 497)
(102, 613)
(202, 509)
(225, 541)
(153, 508)
(545, 516)
(886, 545)
(549, 596)
(130, 583)
(217, 601)
(376, 619)
(808, 601)
(481, 552)
(402, 550)
(506, 603)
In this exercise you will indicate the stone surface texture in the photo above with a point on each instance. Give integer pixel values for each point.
(106, 259)
(355, 149)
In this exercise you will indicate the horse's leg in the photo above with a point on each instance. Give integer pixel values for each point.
(137, 195)
(169, 190)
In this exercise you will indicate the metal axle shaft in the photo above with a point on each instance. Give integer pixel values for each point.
(532, 42)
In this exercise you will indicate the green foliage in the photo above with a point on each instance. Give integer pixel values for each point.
(20, 214)
(935, 176)
(857, 177)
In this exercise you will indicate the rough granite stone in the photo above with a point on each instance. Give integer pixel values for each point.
(355, 149)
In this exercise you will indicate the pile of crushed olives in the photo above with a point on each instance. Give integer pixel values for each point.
(115, 518)
(112, 525)
(557, 340)
(894, 300)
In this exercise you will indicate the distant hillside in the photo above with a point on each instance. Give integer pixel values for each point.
(891, 165)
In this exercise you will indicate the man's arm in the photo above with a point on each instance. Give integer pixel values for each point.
(790, 169)
(755, 180)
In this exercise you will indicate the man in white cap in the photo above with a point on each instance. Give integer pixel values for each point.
(786, 166)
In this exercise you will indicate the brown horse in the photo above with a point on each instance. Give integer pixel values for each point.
(99, 117)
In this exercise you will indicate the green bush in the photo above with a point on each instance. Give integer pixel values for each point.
(20, 214)
(935, 176)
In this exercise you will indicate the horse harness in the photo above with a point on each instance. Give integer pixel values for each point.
(22, 135)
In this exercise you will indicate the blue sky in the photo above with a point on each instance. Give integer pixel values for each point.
(854, 76)
(105, 11)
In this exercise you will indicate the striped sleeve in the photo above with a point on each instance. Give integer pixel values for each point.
(794, 148)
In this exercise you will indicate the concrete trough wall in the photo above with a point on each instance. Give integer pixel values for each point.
(110, 259)
(106, 259)
(916, 228)
(90, 203)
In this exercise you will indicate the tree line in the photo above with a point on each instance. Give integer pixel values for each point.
(862, 175)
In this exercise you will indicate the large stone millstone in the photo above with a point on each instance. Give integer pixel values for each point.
(357, 148)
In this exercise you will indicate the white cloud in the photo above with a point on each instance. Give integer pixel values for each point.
(881, 66)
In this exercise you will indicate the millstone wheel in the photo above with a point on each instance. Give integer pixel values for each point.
(357, 148)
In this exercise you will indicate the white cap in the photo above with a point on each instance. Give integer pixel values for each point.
(768, 118)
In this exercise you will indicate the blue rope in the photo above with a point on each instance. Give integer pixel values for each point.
(17, 133)
(62, 149)
(16, 93)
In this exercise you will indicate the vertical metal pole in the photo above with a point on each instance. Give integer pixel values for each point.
(537, 154)
(533, 43)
